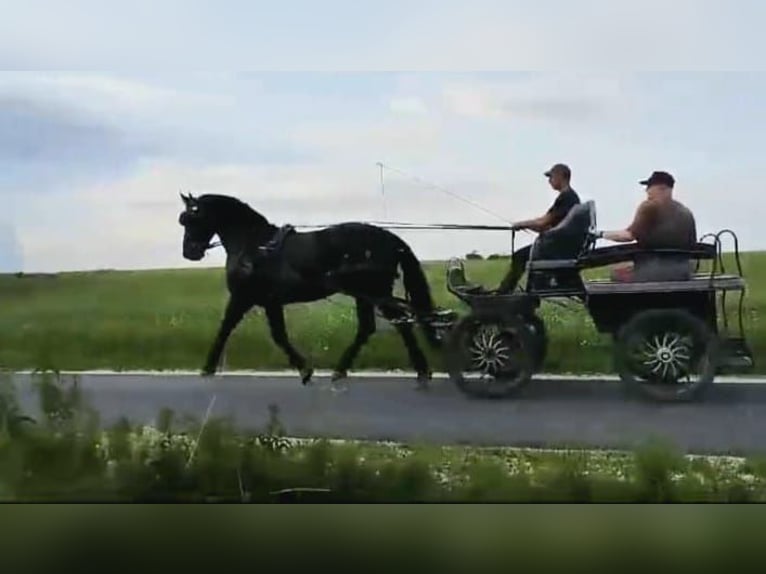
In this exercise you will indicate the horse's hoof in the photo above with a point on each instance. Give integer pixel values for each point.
(423, 380)
(207, 373)
(306, 374)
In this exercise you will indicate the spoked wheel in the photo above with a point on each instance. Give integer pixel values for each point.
(667, 355)
(490, 357)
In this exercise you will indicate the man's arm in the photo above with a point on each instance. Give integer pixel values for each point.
(641, 222)
(557, 212)
(538, 224)
(621, 236)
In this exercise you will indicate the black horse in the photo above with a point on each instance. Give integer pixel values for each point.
(271, 267)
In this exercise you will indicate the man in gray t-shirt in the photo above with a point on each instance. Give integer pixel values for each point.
(660, 222)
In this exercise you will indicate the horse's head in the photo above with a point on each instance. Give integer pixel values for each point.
(200, 226)
(227, 217)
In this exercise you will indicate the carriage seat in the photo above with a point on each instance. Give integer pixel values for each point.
(650, 264)
(629, 252)
(562, 246)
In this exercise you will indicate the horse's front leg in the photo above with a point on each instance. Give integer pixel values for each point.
(276, 317)
(235, 310)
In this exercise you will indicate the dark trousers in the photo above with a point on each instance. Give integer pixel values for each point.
(518, 266)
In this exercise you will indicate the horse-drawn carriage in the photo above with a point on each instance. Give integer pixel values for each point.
(671, 335)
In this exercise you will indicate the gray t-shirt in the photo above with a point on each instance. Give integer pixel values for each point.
(664, 225)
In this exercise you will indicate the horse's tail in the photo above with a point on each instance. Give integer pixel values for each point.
(419, 291)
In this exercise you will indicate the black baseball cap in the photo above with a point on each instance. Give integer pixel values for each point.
(659, 177)
(561, 168)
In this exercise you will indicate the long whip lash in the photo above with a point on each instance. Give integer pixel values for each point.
(443, 190)
(201, 430)
(417, 226)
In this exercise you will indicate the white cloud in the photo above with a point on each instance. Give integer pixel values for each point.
(119, 93)
(471, 101)
(112, 99)
(415, 137)
(408, 105)
(560, 97)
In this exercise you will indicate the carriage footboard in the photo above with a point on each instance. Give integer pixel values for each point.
(700, 282)
(458, 284)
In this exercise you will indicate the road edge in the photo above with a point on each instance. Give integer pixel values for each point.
(361, 374)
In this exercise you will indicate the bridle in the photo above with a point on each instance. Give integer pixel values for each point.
(192, 213)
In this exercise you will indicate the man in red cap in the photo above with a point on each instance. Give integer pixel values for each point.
(559, 178)
(660, 222)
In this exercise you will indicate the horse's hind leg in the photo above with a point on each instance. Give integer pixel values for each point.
(365, 315)
(276, 318)
(417, 357)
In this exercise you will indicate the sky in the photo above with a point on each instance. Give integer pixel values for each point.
(92, 162)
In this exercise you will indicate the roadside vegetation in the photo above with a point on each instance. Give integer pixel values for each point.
(62, 452)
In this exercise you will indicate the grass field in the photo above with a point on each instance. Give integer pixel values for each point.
(167, 319)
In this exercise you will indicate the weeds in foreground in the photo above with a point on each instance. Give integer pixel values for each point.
(66, 455)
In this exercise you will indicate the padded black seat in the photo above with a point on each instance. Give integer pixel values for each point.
(629, 252)
(651, 264)
(562, 246)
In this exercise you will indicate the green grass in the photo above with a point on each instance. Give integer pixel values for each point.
(167, 319)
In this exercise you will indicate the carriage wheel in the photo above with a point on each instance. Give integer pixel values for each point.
(490, 357)
(666, 354)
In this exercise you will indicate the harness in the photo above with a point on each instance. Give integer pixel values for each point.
(274, 245)
(265, 254)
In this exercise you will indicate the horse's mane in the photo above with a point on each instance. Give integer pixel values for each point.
(232, 209)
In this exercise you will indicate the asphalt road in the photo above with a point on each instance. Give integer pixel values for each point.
(551, 413)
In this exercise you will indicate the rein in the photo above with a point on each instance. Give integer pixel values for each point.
(278, 236)
(421, 226)
(411, 226)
